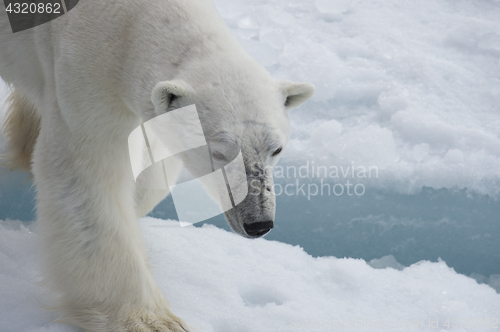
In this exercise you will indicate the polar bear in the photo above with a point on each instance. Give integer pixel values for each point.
(81, 83)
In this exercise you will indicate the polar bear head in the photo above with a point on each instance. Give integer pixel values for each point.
(247, 114)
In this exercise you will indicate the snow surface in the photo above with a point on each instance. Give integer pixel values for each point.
(219, 281)
(412, 87)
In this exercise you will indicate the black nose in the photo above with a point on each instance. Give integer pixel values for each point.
(258, 229)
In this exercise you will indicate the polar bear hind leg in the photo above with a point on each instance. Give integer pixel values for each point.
(21, 127)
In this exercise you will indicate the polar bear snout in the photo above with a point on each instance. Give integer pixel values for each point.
(258, 229)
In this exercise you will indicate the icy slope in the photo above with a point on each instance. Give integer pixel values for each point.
(412, 87)
(218, 281)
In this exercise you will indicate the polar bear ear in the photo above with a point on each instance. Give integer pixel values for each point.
(165, 92)
(296, 93)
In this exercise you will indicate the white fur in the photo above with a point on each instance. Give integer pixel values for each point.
(90, 76)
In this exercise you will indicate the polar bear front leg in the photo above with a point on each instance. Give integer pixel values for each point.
(93, 251)
(147, 192)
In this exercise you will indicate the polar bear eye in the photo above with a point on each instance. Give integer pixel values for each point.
(277, 152)
(218, 155)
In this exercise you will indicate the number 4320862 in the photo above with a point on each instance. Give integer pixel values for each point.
(34, 8)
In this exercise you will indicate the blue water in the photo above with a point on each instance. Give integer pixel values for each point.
(461, 228)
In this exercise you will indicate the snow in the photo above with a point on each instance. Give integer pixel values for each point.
(414, 86)
(384, 262)
(333, 7)
(219, 281)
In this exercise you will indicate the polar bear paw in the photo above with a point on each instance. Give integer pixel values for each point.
(155, 323)
(150, 323)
